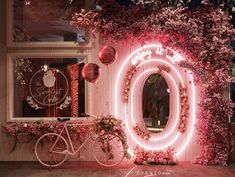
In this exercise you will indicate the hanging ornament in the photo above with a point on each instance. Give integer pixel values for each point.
(107, 55)
(27, 2)
(91, 72)
(49, 79)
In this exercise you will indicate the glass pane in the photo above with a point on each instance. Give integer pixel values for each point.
(155, 103)
(47, 21)
(48, 87)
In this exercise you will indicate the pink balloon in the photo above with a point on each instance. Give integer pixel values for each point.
(91, 72)
(107, 55)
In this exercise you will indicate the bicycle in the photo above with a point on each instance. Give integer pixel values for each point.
(53, 149)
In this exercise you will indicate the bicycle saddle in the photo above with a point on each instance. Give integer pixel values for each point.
(63, 119)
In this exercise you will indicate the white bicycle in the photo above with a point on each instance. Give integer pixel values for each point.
(52, 149)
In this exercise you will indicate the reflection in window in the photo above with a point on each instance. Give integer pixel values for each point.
(48, 87)
(47, 20)
(155, 102)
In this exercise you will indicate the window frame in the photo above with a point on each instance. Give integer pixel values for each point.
(10, 82)
(61, 44)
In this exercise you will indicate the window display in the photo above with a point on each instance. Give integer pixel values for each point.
(48, 87)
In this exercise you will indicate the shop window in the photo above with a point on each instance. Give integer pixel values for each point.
(47, 87)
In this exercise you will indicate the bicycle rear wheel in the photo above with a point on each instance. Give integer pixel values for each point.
(51, 150)
(108, 150)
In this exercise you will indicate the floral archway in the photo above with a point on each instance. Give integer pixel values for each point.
(202, 33)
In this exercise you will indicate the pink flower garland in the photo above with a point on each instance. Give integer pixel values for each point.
(37, 129)
(127, 83)
(184, 107)
(145, 134)
(129, 75)
(143, 157)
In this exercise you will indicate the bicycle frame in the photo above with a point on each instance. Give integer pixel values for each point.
(71, 152)
(72, 149)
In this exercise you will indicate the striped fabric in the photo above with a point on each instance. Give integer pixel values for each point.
(73, 72)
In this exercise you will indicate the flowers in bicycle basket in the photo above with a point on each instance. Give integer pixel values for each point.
(106, 146)
(106, 127)
(108, 123)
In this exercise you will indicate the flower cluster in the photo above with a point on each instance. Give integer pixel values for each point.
(199, 73)
(213, 122)
(145, 134)
(143, 157)
(22, 66)
(129, 75)
(184, 107)
(110, 125)
(83, 18)
(37, 129)
(164, 68)
(127, 83)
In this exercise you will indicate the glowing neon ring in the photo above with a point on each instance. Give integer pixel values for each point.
(177, 92)
(191, 88)
(156, 145)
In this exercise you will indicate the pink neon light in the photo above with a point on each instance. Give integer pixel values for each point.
(157, 146)
(166, 63)
(179, 77)
(121, 69)
(192, 101)
(164, 135)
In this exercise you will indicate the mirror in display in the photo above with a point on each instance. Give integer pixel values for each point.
(155, 103)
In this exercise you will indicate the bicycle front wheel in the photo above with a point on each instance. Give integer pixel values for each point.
(108, 150)
(51, 150)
